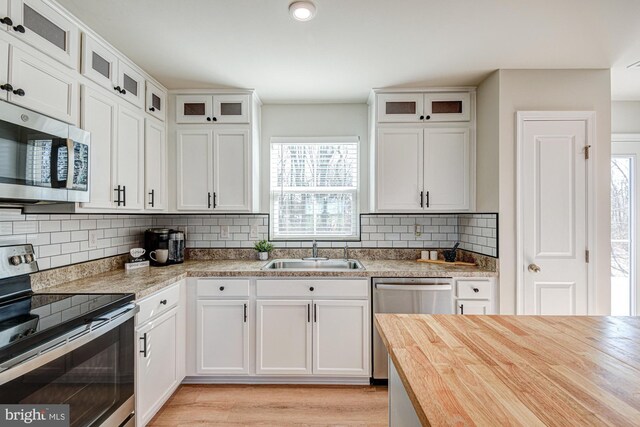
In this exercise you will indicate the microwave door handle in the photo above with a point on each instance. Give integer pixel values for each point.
(71, 164)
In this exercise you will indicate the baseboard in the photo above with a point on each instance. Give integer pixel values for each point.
(276, 380)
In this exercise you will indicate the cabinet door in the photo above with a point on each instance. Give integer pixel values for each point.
(99, 117)
(447, 173)
(47, 30)
(155, 101)
(341, 338)
(400, 107)
(464, 306)
(283, 337)
(194, 108)
(155, 165)
(399, 172)
(231, 170)
(40, 85)
(157, 370)
(447, 107)
(231, 108)
(131, 84)
(5, 13)
(223, 337)
(194, 169)
(4, 66)
(128, 167)
(99, 63)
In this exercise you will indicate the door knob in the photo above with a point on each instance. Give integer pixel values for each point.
(534, 268)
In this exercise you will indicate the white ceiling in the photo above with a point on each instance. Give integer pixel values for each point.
(354, 45)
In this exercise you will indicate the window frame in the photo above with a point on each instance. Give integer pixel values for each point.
(311, 190)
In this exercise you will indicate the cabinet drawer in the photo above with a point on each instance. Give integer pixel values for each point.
(158, 303)
(313, 288)
(474, 307)
(474, 289)
(223, 288)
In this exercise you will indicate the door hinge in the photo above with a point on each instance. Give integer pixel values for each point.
(586, 256)
(587, 148)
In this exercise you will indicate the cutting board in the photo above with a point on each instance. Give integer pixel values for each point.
(440, 261)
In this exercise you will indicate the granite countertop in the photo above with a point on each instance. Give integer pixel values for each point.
(517, 370)
(146, 281)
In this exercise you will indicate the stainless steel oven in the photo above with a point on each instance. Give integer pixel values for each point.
(41, 159)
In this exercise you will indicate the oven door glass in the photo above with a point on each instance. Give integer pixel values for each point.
(94, 380)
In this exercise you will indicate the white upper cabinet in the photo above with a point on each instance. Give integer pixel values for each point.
(39, 84)
(230, 109)
(400, 107)
(447, 107)
(399, 169)
(194, 165)
(156, 99)
(128, 160)
(99, 63)
(5, 85)
(99, 117)
(155, 165)
(231, 170)
(423, 107)
(131, 84)
(194, 108)
(44, 28)
(4, 15)
(447, 154)
(224, 108)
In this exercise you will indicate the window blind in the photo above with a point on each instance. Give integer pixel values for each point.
(314, 188)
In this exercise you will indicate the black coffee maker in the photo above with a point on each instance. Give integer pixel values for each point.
(164, 238)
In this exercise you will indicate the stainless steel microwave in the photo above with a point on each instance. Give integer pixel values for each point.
(41, 159)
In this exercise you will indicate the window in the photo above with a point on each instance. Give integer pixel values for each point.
(314, 188)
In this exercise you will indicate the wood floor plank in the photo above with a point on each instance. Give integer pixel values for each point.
(274, 405)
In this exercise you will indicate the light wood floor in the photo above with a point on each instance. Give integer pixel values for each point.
(274, 405)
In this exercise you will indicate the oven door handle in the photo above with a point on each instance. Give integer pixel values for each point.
(51, 350)
(389, 287)
(71, 163)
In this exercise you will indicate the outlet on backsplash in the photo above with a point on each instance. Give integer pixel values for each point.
(224, 231)
(93, 239)
(253, 231)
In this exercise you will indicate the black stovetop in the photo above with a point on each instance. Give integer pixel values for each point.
(29, 320)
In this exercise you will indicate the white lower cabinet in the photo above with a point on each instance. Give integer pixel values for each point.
(475, 296)
(340, 337)
(160, 349)
(284, 334)
(223, 337)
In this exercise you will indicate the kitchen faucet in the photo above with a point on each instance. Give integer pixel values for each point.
(314, 253)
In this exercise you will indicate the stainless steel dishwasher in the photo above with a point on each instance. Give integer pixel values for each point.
(406, 296)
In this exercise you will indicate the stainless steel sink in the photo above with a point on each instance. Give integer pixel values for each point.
(316, 265)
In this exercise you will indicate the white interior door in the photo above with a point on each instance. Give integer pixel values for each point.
(553, 195)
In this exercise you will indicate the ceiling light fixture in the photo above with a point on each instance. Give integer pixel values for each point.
(302, 10)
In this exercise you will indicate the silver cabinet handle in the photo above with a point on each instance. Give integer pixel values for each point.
(534, 268)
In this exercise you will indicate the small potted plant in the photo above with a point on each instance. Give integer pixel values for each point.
(263, 248)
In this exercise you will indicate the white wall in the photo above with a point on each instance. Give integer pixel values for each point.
(314, 120)
(529, 90)
(625, 117)
(488, 144)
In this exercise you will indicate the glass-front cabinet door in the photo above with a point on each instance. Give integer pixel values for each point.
(155, 101)
(194, 109)
(41, 26)
(130, 84)
(99, 63)
(231, 108)
(400, 107)
(447, 107)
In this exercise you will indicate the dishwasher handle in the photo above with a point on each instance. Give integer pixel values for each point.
(390, 287)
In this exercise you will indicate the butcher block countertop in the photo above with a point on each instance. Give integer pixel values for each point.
(517, 370)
